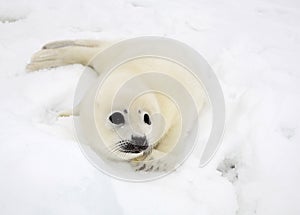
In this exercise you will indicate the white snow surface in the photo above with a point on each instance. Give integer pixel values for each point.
(254, 48)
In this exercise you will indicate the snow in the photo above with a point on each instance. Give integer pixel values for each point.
(254, 48)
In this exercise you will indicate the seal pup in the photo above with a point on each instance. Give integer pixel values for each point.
(131, 133)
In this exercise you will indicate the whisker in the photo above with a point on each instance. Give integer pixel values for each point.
(116, 147)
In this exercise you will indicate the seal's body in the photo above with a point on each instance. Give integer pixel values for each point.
(131, 129)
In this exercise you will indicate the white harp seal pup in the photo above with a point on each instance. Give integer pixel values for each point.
(132, 133)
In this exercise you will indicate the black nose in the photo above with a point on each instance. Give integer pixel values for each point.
(139, 141)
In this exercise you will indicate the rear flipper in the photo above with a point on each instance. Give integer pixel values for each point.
(61, 53)
(82, 43)
(66, 52)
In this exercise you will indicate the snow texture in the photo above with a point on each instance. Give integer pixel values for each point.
(254, 48)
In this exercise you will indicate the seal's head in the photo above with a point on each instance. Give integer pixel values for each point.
(129, 123)
(129, 130)
(132, 115)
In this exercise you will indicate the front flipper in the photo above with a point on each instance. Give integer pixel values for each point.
(65, 113)
(152, 162)
(69, 112)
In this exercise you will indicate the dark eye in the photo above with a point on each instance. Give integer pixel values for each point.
(147, 119)
(117, 118)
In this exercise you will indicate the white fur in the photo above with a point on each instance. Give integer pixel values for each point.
(162, 139)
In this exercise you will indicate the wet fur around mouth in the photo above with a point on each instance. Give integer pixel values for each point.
(135, 145)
